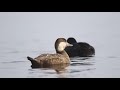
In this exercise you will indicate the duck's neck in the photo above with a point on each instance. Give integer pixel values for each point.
(63, 53)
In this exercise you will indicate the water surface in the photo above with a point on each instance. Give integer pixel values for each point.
(25, 34)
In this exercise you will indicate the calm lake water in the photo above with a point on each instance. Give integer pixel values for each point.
(25, 34)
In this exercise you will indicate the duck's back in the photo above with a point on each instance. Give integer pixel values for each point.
(81, 49)
(52, 59)
(83, 44)
(86, 49)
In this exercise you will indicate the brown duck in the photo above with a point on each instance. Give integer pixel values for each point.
(48, 60)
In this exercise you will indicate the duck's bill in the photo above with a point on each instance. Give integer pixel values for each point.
(69, 44)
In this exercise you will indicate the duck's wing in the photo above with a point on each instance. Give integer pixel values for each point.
(51, 59)
(83, 44)
(47, 56)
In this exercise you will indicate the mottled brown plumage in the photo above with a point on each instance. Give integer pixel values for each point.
(47, 60)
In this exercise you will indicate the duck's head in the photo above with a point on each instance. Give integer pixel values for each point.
(71, 40)
(61, 44)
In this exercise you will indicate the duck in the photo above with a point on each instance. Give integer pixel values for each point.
(80, 49)
(48, 60)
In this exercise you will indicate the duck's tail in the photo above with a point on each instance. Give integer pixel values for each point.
(29, 58)
(33, 61)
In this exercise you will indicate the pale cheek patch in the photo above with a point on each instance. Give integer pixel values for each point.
(61, 46)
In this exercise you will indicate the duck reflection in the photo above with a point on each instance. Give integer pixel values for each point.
(59, 68)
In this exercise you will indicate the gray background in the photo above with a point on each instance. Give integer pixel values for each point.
(34, 33)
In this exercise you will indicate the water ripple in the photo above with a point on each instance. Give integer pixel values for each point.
(14, 62)
(74, 71)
